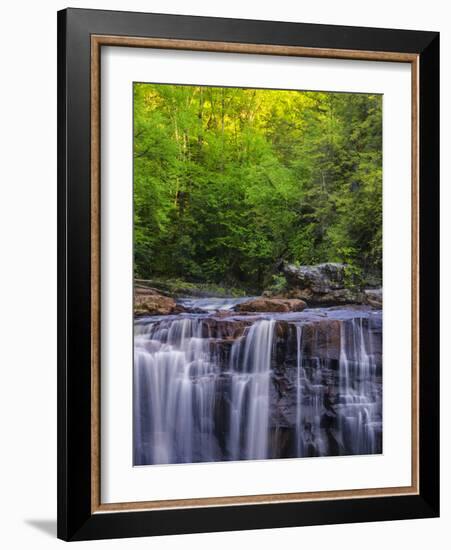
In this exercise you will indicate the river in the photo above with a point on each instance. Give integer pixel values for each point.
(217, 385)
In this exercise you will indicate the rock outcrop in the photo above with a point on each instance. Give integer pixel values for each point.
(326, 285)
(321, 278)
(149, 301)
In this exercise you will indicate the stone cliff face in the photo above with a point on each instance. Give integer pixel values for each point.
(311, 377)
(329, 392)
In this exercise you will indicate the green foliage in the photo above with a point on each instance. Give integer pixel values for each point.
(228, 181)
(278, 284)
(353, 277)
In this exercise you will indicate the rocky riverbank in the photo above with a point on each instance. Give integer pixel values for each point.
(322, 285)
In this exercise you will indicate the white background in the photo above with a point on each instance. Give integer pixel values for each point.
(119, 481)
(28, 274)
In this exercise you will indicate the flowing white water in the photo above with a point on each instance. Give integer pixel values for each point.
(213, 304)
(175, 376)
(251, 367)
(360, 409)
(210, 388)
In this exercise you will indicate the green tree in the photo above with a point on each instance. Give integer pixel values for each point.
(229, 181)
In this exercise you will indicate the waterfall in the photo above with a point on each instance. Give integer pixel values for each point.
(250, 367)
(174, 383)
(342, 417)
(209, 387)
(360, 404)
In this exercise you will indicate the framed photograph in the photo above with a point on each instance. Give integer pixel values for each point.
(248, 274)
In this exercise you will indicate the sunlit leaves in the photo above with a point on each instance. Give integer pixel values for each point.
(228, 181)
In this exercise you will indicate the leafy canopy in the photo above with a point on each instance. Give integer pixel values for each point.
(229, 181)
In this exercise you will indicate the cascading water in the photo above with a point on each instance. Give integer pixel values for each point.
(250, 368)
(213, 304)
(360, 391)
(214, 387)
(174, 385)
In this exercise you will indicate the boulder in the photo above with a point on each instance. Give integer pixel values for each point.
(321, 278)
(150, 302)
(321, 285)
(274, 305)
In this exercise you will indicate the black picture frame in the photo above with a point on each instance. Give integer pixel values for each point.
(76, 521)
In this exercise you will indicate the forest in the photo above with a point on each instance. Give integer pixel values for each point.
(229, 182)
